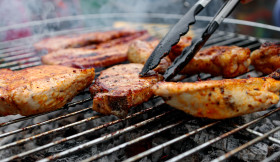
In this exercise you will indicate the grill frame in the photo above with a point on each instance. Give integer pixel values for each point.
(11, 55)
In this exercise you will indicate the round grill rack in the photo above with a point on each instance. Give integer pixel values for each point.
(75, 129)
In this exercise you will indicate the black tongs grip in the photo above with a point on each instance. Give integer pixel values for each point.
(173, 36)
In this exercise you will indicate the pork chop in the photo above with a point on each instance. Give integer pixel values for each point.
(119, 88)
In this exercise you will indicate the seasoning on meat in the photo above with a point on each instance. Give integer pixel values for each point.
(228, 61)
(40, 89)
(220, 99)
(119, 88)
(267, 58)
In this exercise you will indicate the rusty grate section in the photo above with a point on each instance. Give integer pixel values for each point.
(18, 55)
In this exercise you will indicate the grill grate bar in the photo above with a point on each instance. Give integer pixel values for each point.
(232, 152)
(230, 41)
(26, 65)
(219, 39)
(33, 116)
(82, 133)
(154, 149)
(48, 132)
(14, 63)
(18, 57)
(272, 157)
(107, 152)
(206, 144)
(245, 43)
(44, 122)
(260, 134)
(18, 52)
(106, 137)
(254, 46)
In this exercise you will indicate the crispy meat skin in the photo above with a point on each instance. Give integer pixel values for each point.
(220, 99)
(119, 88)
(110, 53)
(60, 42)
(267, 58)
(40, 89)
(228, 61)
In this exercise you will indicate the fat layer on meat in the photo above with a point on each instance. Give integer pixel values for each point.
(40, 89)
(219, 99)
(119, 88)
(267, 58)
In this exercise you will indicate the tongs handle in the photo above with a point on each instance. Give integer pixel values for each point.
(173, 36)
(188, 53)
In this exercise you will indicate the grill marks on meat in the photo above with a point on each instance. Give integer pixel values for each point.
(61, 42)
(40, 89)
(143, 34)
(106, 54)
(228, 61)
(119, 88)
(85, 58)
(220, 99)
(267, 58)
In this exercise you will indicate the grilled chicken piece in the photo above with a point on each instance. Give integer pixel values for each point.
(177, 49)
(267, 58)
(228, 61)
(86, 58)
(40, 89)
(139, 51)
(220, 99)
(61, 42)
(119, 88)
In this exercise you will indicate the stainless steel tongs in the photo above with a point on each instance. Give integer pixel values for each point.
(180, 29)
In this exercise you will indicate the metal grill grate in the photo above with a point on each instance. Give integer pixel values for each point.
(18, 55)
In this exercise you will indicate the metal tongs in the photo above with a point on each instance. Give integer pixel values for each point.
(180, 29)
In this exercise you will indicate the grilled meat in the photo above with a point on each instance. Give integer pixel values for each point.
(267, 58)
(40, 89)
(220, 99)
(228, 61)
(177, 49)
(61, 42)
(142, 35)
(86, 58)
(139, 51)
(119, 88)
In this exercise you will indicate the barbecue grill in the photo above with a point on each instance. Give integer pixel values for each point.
(152, 131)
